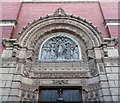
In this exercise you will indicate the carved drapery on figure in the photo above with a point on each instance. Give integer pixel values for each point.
(60, 48)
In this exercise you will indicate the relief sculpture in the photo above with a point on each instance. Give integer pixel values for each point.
(59, 48)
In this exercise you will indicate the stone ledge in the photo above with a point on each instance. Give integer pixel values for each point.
(111, 22)
(8, 23)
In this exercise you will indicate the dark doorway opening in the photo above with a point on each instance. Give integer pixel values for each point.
(60, 94)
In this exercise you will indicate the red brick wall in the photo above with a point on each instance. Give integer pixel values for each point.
(10, 10)
(110, 11)
(27, 12)
(90, 11)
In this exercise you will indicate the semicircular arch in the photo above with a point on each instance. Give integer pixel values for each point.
(69, 23)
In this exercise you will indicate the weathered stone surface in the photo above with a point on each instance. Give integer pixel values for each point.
(7, 76)
(8, 83)
(5, 91)
(7, 53)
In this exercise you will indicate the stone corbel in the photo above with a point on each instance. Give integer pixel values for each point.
(9, 51)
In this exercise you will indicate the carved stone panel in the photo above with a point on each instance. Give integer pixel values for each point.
(60, 48)
(93, 67)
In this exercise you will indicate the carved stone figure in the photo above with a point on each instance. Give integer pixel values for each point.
(45, 54)
(60, 51)
(68, 54)
(52, 52)
(76, 55)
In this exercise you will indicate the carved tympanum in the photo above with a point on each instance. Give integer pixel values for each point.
(59, 48)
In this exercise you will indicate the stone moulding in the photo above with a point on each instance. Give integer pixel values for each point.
(111, 22)
(8, 23)
(56, 75)
(58, 1)
(60, 66)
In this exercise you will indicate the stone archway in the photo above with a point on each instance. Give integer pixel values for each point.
(69, 73)
(35, 33)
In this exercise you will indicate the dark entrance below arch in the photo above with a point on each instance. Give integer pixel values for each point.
(58, 94)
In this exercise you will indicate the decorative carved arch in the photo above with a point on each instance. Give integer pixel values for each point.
(59, 21)
(35, 33)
